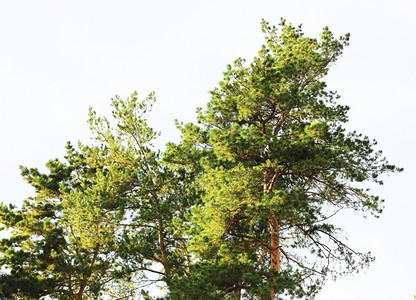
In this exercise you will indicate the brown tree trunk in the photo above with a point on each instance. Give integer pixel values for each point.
(274, 246)
(78, 296)
(274, 243)
(236, 294)
(269, 179)
(161, 237)
(163, 249)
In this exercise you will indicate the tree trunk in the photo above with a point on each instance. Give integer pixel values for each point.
(80, 293)
(274, 243)
(236, 295)
(274, 246)
(163, 249)
(269, 179)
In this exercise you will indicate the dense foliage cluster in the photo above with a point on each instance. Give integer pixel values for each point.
(239, 208)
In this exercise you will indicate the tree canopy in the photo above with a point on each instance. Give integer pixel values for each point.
(276, 163)
(103, 221)
(240, 207)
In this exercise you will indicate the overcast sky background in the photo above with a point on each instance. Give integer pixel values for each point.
(57, 58)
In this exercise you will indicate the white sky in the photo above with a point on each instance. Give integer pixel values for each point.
(57, 58)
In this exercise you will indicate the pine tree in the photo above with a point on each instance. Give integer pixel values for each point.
(107, 221)
(275, 164)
